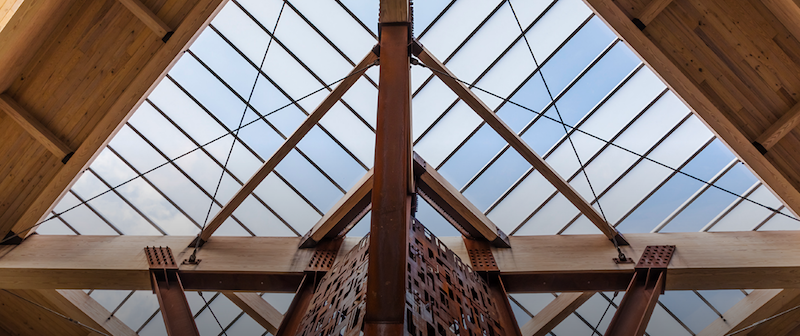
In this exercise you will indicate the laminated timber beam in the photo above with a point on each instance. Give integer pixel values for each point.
(344, 214)
(650, 12)
(462, 91)
(149, 18)
(779, 129)
(259, 309)
(268, 166)
(114, 118)
(759, 305)
(703, 260)
(78, 305)
(555, 312)
(35, 128)
(699, 103)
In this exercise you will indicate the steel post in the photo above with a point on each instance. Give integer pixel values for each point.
(166, 282)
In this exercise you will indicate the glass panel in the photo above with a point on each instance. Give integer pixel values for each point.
(137, 309)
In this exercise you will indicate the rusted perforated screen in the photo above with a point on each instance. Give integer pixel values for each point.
(444, 296)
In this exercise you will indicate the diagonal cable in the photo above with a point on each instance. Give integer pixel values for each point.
(610, 143)
(212, 312)
(236, 133)
(76, 322)
(170, 161)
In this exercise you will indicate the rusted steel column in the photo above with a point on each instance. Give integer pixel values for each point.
(178, 317)
(482, 260)
(392, 186)
(642, 294)
(297, 309)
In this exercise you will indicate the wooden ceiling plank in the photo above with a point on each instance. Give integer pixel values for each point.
(787, 12)
(472, 100)
(259, 309)
(148, 17)
(269, 165)
(80, 306)
(652, 10)
(760, 304)
(555, 312)
(780, 128)
(332, 224)
(114, 118)
(700, 104)
(703, 260)
(35, 128)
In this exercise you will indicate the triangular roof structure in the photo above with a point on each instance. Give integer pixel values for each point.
(118, 124)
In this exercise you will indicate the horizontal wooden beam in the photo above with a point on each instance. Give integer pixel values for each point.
(260, 310)
(555, 312)
(469, 97)
(148, 17)
(700, 105)
(703, 260)
(35, 128)
(287, 146)
(391, 11)
(779, 129)
(440, 193)
(114, 118)
(651, 11)
(344, 214)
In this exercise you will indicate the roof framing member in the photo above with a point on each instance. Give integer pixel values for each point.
(344, 214)
(292, 141)
(719, 260)
(760, 304)
(555, 312)
(35, 128)
(469, 97)
(149, 18)
(700, 105)
(113, 120)
(78, 305)
(259, 309)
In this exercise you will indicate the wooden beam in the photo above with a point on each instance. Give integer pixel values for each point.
(651, 11)
(703, 260)
(148, 17)
(260, 310)
(7, 10)
(344, 214)
(555, 312)
(82, 307)
(394, 11)
(114, 119)
(700, 105)
(287, 146)
(469, 97)
(35, 128)
(760, 304)
(787, 12)
(438, 191)
(779, 129)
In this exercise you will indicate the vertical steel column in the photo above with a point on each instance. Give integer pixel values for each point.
(297, 309)
(482, 260)
(642, 294)
(393, 185)
(166, 283)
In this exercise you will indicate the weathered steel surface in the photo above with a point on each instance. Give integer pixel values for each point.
(166, 282)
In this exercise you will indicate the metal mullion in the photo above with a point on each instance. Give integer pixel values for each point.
(122, 303)
(262, 118)
(286, 94)
(525, 82)
(709, 304)
(92, 209)
(325, 38)
(510, 46)
(591, 327)
(436, 121)
(771, 215)
(175, 165)
(127, 202)
(511, 298)
(674, 172)
(154, 186)
(591, 159)
(297, 59)
(730, 207)
(436, 19)
(574, 128)
(676, 318)
(65, 223)
(695, 196)
(228, 327)
(632, 166)
(240, 182)
(357, 19)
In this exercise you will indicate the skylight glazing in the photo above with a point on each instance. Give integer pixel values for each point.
(598, 85)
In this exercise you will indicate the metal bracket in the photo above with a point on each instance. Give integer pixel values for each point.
(656, 256)
(324, 256)
(160, 258)
(480, 255)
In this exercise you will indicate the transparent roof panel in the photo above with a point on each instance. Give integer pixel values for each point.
(550, 69)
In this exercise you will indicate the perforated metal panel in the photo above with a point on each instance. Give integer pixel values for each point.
(444, 296)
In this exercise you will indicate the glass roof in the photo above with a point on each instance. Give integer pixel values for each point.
(266, 64)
